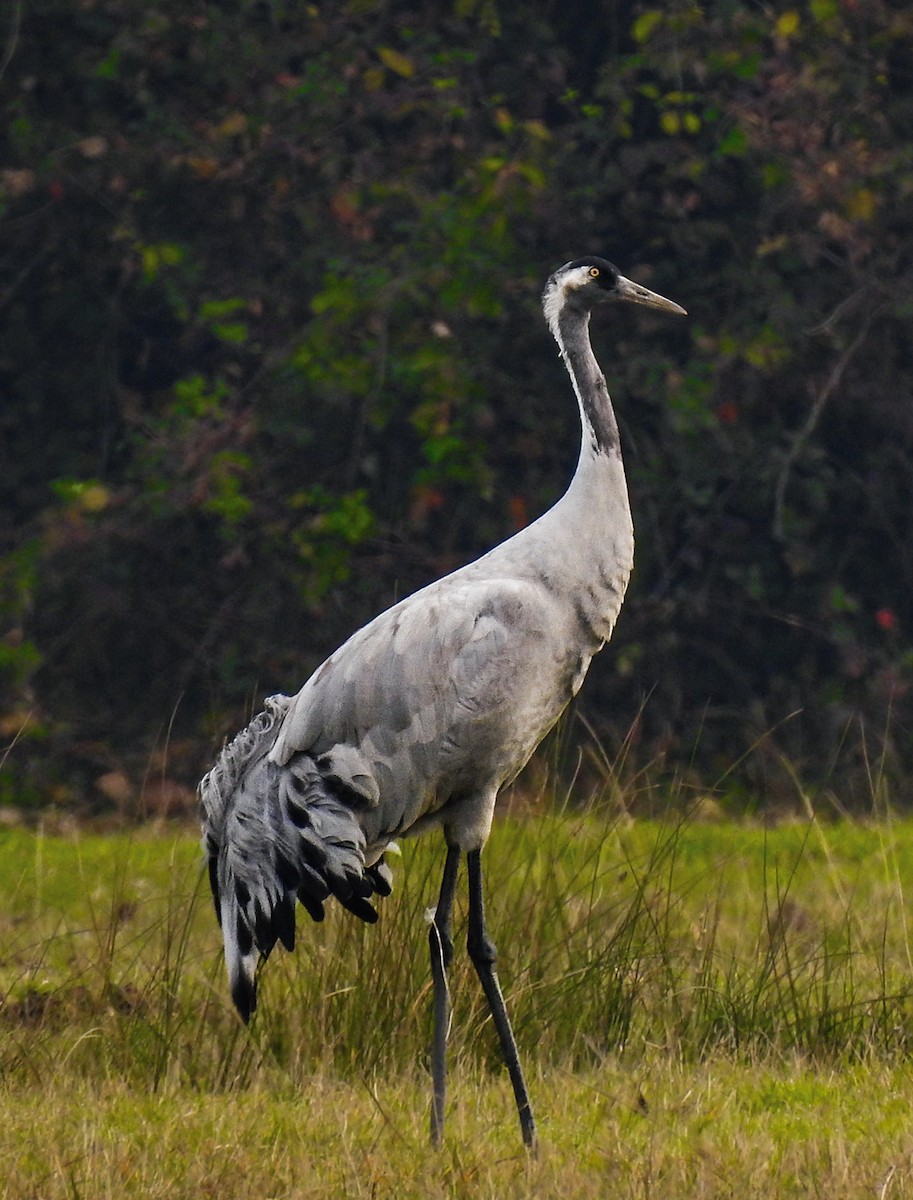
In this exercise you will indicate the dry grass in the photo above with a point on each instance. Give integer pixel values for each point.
(705, 1009)
(657, 1128)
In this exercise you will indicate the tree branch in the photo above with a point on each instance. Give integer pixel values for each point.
(807, 428)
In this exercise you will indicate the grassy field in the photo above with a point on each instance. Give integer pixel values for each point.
(705, 1008)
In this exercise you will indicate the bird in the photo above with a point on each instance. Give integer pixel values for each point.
(423, 715)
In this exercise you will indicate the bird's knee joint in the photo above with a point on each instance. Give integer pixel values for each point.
(482, 950)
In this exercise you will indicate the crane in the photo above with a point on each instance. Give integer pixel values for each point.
(420, 718)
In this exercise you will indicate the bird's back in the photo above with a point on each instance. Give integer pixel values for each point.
(438, 701)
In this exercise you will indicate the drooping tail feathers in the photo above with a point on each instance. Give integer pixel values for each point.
(272, 834)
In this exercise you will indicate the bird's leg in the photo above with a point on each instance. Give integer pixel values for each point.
(441, 943)
(483, 954)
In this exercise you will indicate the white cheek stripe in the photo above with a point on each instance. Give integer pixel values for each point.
(552, 303)
(554, 299)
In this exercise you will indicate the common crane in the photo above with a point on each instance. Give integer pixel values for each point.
(421, 717)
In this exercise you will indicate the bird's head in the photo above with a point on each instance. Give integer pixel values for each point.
(586, 282)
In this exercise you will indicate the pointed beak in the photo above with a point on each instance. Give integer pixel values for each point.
(626, 290)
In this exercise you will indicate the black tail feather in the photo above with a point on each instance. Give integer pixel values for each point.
(275, 834)
(244, 995)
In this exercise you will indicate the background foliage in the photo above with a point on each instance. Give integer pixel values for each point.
(271, 357)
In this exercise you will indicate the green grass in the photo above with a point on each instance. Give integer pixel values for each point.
(704, 1008)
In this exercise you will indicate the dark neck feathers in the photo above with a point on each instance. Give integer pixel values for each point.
(598, 416)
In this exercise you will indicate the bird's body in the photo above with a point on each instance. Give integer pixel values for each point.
(419, 719)
(446, 695)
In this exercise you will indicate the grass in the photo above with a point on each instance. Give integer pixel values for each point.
(661, 1129)
(704, 1008)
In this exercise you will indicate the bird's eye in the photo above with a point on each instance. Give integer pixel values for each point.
(594, 272)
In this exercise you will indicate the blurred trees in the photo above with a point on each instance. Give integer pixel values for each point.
(271, 356)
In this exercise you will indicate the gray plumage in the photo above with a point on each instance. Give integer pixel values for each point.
(422, 716)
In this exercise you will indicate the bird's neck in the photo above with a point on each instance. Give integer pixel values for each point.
(596, 544)
(597, 417)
